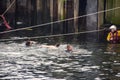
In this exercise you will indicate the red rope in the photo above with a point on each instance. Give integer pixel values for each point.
(5, 22)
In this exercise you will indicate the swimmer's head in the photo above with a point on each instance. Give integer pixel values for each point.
(28, 43)
(69, 47)
(57, 45)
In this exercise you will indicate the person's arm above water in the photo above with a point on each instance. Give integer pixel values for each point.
(48, 46)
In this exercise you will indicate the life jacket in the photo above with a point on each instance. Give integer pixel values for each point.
(114, 35)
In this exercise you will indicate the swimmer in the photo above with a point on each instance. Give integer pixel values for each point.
(69, 48)
(50, 46)
(29, 43)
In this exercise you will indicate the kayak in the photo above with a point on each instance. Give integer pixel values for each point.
(108, 37)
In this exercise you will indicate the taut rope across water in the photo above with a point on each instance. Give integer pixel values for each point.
(19, 29)
(48, 36)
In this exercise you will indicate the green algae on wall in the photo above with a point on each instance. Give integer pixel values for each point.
(113, 16)
(116, 18)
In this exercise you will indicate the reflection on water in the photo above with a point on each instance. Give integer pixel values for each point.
(91, 62)
(113, 48)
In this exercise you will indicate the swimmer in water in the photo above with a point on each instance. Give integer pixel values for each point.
(69, 48)
(51, 46)
(29, 43)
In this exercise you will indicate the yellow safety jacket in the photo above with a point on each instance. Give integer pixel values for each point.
(115, 36)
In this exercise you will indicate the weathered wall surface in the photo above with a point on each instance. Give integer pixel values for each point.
(113, 16)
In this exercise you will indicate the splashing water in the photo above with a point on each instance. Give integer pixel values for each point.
(18, 62)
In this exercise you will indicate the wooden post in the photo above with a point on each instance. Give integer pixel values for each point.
(116, 18)
(109, 15)
(76, 14)
(61, 14)
(101, 15)
(46, 16)
(51, 14)
(70, 14)
(55, 17)
(101, 7)
(28, 12)
(39, 11)
(34, 12)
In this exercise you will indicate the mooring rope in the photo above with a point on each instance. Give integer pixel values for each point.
(9, 7)
(45, 24)
(49, 36)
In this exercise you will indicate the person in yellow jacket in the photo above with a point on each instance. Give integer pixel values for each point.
(113, 35)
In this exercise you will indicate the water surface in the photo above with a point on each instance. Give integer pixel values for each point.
(92, 62)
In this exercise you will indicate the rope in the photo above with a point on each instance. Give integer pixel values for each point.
(9, 7)
(59, 21)
(49, 36)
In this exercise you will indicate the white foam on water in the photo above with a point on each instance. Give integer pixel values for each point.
(24, 58)
(118, 75)
(97, 78)
(11, 53)
(89, 68)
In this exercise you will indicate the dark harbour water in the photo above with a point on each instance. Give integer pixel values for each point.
(91, 62)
